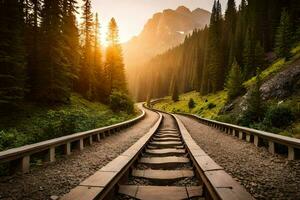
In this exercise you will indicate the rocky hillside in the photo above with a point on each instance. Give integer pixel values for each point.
(280, 91)
(163, 31)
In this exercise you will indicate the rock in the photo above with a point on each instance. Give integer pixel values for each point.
(54, 197)
(282, 84)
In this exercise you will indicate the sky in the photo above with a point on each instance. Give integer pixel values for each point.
(132, 15)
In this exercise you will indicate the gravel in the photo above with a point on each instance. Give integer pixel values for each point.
(52, 180)
(264, 175)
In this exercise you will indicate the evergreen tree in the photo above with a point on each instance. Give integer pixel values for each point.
(248, 56)
(297, 35)
(97, 63)
(191, 104)
(216, 73)
(32, 40)
(114, 66)
(70, 36)
(54, 77)
(12, 53)
(259, 56)
(234, 82)
(175, 95)
(255, 106)
(84, 85)
(229, 32)
(284, 36)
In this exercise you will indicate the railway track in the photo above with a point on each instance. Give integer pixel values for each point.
(165, 164)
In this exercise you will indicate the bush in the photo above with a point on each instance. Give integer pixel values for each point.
(279, 117)
(119, 101)
(230, 118)
(11, 138)
(211, 106)
(255, 111)
(191, 103)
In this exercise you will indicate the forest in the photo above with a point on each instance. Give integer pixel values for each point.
(56, 77)
(248, 37)
(45, 54)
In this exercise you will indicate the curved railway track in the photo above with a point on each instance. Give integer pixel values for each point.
(165, 164)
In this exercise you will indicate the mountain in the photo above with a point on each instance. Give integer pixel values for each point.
(163, 31)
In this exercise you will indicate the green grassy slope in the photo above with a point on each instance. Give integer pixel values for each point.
(210, 105)
(206, 106)
(35, 123)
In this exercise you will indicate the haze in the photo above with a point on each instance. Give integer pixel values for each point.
(132, 15)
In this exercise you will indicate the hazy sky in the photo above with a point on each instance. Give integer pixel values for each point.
(131, 15)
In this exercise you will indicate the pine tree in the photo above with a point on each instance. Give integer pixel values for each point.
(234, 82)
(297, 35)
(12, 53)
(70, 36)
(229, 32)
(32, 40)
(255, 106)
(175, 95)
(248, 56)
(259, 56)
(84, 85)
(54, 77)
(216, 73)
(191, 104)
(114, 66)
(97, 63)
(284, 36)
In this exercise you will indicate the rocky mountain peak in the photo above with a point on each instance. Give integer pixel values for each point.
(183, 9)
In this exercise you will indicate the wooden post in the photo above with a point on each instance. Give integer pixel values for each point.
(233, 132)
(80, 144)
(25, 164)
(91, 140)
(52, 154)
(256, 140)
(271, 147)
(68, 148)
(291, 153)
(248, 137)
(22, 165)
(241, 135)
(98, 138)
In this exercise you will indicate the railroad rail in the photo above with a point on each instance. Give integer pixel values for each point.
(19, 158)
(166, 163)
(253, 135)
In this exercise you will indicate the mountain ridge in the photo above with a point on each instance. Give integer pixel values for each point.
(163, 31)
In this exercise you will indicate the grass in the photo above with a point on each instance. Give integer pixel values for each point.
(206, 106)
(273, 69)
(209, 106)
(35, 123)
(276, 67)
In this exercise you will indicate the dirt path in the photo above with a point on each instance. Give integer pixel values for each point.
(58, 178)
(264, 175)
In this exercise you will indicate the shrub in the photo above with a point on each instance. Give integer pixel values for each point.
(279, 117)
(191, 103)
(119, 101)
(255, 111)
(175, 93)
(211, 106)
(230, 118)
(234, 83)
